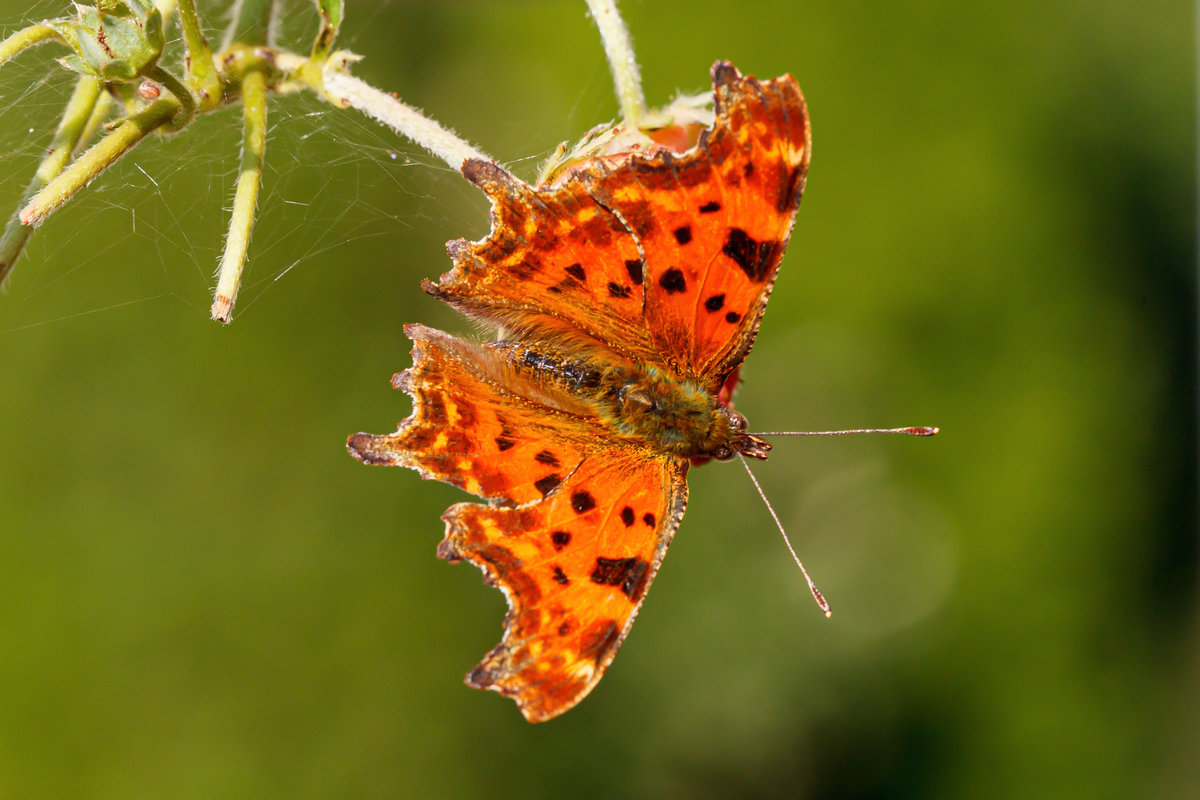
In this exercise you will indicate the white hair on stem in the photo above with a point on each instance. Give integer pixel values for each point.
(401, 117)
(621, 59)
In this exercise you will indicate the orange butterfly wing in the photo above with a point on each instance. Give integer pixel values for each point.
(578, 526)
(555, 261)
(661, 258)
(575, 568)
(469, 430)
(713, 223)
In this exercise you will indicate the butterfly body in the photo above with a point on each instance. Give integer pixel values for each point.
(629, 289)
(637, 401)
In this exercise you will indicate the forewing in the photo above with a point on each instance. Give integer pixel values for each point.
(714, 222)
(575, 567)
(555, 260)
(468, 428)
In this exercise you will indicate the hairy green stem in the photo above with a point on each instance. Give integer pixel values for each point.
(100, 111)
(346, 90)
(74, 120)
(621, 59)
(70, 128)
(100, 157)
(26, 38)
(245, 198)
(187, 103)
(201, 68)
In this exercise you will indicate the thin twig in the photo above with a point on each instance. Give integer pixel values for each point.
(100, 111)
(26, 38)
(70, 128)
(187, 103)
(100, 157)
(349, 91)
(199, 61)
(621, 59)
(245, 198)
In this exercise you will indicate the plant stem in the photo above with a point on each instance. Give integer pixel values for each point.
(330, 12)
(26, 38)
(99, 158)
(245, 198)
(102, 108)
(70, 128)
(348, 91)
(74, 120)
(199, 61)
(621, 59)
(187, 103)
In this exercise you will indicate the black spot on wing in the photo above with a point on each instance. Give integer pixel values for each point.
(611, 571)
(547, 458)
(634, 268)
(582, 501)
(683, 235)
(673, 281)
(754, 258)
(547, 484)
(710, 207)
(648, 519)
(560, 539)
(617, 290)
(560, 576)
(576, 272)
(715, 303)
(732, 317)
(627, 573)
(627, 516)
(503, 442)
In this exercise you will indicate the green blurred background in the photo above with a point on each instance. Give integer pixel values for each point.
(202, 595)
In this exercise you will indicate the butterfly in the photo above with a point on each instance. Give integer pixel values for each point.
(627, 289)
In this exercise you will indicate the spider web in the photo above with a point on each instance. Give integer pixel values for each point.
(152, 227)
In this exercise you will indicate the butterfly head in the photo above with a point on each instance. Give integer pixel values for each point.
(738, 441)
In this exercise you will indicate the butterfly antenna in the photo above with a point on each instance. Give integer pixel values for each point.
(812, 587)
(921, 430)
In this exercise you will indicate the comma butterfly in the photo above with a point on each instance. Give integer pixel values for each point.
(628, 288)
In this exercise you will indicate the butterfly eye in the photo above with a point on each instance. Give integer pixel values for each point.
(722, 453)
